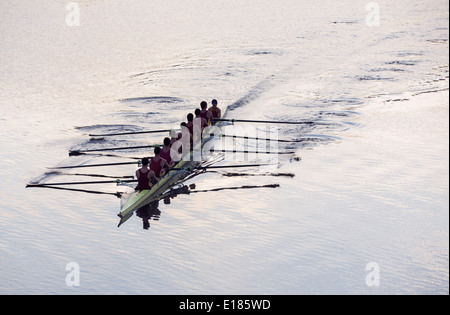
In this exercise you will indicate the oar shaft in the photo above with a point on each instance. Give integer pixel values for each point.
(94, 165)
(261, 139)
(77, 152)
(252, 152)
(266, 121)
(88, 175)
(232, 166)
(82, 183)
(129, 133)
(117, 194)
(236, 188)
(220, 166)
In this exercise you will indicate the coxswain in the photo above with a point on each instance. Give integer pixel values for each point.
(166, 152)
(205, 113)
(214, 110)
(158, 164)
(145, 176)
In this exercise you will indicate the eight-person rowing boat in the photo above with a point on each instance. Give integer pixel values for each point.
(182, 149)
(173, 163)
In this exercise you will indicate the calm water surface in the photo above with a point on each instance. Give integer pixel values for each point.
(371, 183)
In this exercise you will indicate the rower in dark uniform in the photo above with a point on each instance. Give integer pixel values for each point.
(144, 176)
(166, 152)
(214, 110)
(205, 113)
(198, 119)
(158, 164)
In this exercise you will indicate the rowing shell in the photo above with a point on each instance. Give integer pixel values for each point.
(139, 199)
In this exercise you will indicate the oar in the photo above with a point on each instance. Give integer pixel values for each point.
(79, 152)
(262, 139)
(246, 151)
(94, 165)
(236, 188)
(219, 166)
(117, 194)
(110, 155)
(269, 174)
(83, 183)
(185, 191)
(266, 121)
(128, 133)
(88, 175)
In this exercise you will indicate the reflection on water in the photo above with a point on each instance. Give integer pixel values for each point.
(151, 211)
(148, 212)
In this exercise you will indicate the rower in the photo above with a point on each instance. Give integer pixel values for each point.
(158, 164)
(145, 176)
(205, 113)
(194, 131)
(183, 140)
(198, 119)
(214, 110)
(198, 124)
(183, 127)
(174, 136)
(190, 123)
(166, 152)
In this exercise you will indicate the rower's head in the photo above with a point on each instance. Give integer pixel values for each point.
(144, 162)
(203, 105)
(157, 150)
(214, 102)
(197, 112)
(190, 117)
(166, 141)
